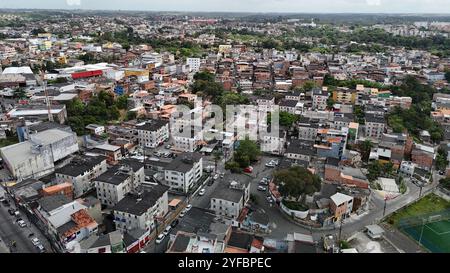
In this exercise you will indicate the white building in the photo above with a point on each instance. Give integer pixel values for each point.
(230, 198)
(113, 185)
(36, 157)
(319, 98)
(138, 210)
(375, 126)
(183, 172)
(81, 172)
(194, 64)
(152, 133)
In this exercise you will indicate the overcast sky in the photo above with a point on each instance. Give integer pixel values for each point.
(307, 6)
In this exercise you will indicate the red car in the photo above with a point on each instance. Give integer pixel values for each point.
(248, 169)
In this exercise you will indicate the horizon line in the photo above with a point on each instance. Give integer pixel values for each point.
(231, 12)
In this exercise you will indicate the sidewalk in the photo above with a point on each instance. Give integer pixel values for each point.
(3, 248)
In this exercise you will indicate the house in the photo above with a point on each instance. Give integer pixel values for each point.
(341, 206)
(307, 129)
(81, 172)
(63, 188)
(300, 243)
(95, 129)
(103, 243)
(239, 242)
(183, 172)
(196, 243)
(289, 106)
(67, 220)
(37, 156)
(301, 150)
(423, 156)
(138, 210)
(153, 133)
(113, 153)
(230, 197)
(347, 176)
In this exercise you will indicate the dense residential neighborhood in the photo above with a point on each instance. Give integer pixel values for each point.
(96, 156)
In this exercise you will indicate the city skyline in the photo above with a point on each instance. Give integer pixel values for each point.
(257, 6)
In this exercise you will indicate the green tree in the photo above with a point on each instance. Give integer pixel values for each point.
(447, 75)
(365, 147)
(246, 153)
(374, 171)
(296, 182)
(441, 159)
(19, 93)
(330, 103)
(122, 102)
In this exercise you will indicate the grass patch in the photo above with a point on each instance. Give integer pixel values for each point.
(8, 141)
(294, 205)
(428, 204)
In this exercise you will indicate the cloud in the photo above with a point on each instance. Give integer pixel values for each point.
(373, 2)
(73, 2)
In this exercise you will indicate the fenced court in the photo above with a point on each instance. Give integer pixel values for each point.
(432, 231)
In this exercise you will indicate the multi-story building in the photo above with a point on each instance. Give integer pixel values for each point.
(344, 95)
(375, 126)
(194, 64)
(319, 99)
(230, 198)
(341, 205)
(113, 185)
(152, 133)
(183, 172)
(139, 210)
(423, 156)
(81, 173)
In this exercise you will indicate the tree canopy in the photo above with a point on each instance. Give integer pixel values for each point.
(297, 181)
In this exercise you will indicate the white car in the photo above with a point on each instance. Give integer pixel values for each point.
(167, 230)
(188, 207)
(35, 241)
(160, 238)
(202, 192)
(22, 223)
(182, 214)
(41, 248)
(262, 188)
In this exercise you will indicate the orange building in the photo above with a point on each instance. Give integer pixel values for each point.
(63, 188)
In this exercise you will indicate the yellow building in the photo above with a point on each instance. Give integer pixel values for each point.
(344, 95)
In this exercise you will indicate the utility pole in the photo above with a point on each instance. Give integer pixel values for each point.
(420, 192)
(384, 209)
(340, 229)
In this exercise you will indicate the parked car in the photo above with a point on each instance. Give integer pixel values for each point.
(248, 169)
(262, 188)
(22, 223)
(202, 192)
(2, 199)
(182, 214)
(168, 146)
(270, 199)
(6, 203)
(167, 230)
(216, 176)
(11, 212)
(264, 182)
(41, 248)
(35, 241)
(174, 223)
(30, 235)
(160, 238)
(188, 207)
(271, 164)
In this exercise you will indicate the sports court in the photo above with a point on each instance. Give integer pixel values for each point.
(432, 234)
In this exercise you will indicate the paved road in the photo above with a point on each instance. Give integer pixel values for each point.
(10, 231)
